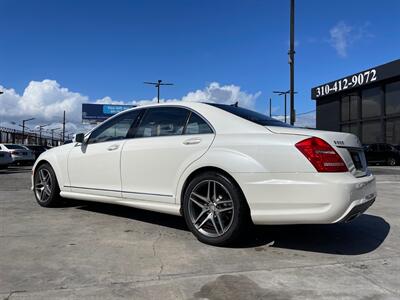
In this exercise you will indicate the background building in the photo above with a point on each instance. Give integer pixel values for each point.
(366, 103)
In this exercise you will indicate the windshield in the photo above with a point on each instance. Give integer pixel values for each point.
(251, 115)
(15, 147)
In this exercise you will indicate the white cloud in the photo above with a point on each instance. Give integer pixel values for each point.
(108, 100)
(227, 94)
(46, 100)
(343, 35)
(340, 36)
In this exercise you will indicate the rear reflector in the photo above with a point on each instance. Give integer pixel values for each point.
(322, 156)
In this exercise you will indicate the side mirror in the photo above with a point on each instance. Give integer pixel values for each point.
(80, 137)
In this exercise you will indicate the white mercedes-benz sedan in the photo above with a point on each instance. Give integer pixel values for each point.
(219, 166)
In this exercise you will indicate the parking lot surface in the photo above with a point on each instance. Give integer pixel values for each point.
(88, 251)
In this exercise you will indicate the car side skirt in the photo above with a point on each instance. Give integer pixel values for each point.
(168, 208)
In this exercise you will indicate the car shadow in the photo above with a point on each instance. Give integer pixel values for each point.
(362, 235)
(175, 222)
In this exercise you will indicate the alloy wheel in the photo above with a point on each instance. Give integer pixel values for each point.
(43, 185)
(211, 208)
(391, 161)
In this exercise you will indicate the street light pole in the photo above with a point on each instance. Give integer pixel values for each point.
(291, 62)
(280, 93)
(23, 128)
(284, 93)
(52, 135)
(40, 132)
(63, 128)
(157, 85)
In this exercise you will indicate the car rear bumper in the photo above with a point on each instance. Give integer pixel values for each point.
(357, 210)
(305, 198)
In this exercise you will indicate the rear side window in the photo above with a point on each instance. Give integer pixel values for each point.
(251, 115)
(196, 125)
(114, 129)
(162, 121)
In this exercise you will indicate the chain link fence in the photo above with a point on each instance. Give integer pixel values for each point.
(8, 135)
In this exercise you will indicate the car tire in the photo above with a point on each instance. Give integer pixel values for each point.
(215, 209)
(391, 161)
(46, 188)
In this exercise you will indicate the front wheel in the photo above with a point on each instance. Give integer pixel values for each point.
(392, 161)
(46, 189)
(215, 209)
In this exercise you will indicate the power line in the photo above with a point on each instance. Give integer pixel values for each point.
(307, 112)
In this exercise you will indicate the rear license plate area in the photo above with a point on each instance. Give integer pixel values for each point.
(357, 160)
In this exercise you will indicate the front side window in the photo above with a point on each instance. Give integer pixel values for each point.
(196, 125)
(114, 129)
(163, 121)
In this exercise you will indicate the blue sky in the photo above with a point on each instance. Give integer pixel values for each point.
(108, 48)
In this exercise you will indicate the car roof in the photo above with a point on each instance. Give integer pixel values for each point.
(222, 121)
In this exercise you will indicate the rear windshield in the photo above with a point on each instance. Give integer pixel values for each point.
(251, 115)
(15, 147)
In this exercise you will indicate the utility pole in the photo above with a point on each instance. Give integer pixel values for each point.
(157, 85)
(63, 128)
(23, 129)
(291, 62)
(270, 107)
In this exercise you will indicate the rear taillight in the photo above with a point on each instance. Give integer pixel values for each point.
(322, 156)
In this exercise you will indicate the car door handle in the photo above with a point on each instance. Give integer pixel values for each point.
(113, 147)
(192, 141)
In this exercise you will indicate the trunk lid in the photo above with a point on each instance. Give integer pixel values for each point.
(347, 145)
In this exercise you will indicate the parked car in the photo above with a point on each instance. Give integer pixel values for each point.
(5, 159)
(36, 149)
(219, 166)
(19, 154)
(381, 153)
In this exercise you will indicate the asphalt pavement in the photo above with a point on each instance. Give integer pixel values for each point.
(99, 251)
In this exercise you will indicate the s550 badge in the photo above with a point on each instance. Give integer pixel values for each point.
(341, 143)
